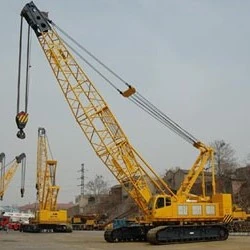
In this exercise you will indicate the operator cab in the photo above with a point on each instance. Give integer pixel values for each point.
(159, 201)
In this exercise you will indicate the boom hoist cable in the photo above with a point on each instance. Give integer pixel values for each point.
(22, 115)
(21, 159)
(131, 92)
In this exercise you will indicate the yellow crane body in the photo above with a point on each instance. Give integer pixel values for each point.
(167, 216)
(165, 209)
(51, 217)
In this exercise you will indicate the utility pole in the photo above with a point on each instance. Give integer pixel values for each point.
(82, 178)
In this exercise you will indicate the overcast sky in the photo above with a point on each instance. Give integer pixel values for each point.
(190, 58)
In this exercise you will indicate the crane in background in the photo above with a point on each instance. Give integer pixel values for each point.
(8, 171)
(47, 216)
(167, 216)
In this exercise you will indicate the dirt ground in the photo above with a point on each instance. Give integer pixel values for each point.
(93, 240)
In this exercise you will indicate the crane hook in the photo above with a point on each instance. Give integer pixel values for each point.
(22, 192)
(21, 121)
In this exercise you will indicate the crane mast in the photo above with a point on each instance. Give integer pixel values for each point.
(94, 116)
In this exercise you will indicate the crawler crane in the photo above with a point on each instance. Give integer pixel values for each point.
(47, 216)
(167, 216)
(8, 172)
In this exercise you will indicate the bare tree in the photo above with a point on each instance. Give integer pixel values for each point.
(225, 160)
(248, 159)
(225, 164)
(97, 186)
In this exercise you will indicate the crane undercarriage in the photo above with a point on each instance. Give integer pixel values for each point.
(168, 234)
(38, 228)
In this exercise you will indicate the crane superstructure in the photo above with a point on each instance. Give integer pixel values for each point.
(8, 171)
(47, 216)
(167, 216)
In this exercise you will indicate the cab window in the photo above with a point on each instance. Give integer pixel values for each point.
(159, 202)
(168, 202)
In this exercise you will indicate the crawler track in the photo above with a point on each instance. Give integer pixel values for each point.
(168, 234)
(130, 233)
(181, 234)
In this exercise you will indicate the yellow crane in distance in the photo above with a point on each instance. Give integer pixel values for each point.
(8, 171)
(47, 216)
(168, 217)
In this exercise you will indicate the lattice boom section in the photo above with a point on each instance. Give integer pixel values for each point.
(95, 119)
(42, 172)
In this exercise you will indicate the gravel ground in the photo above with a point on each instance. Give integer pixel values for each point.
(93, 240)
